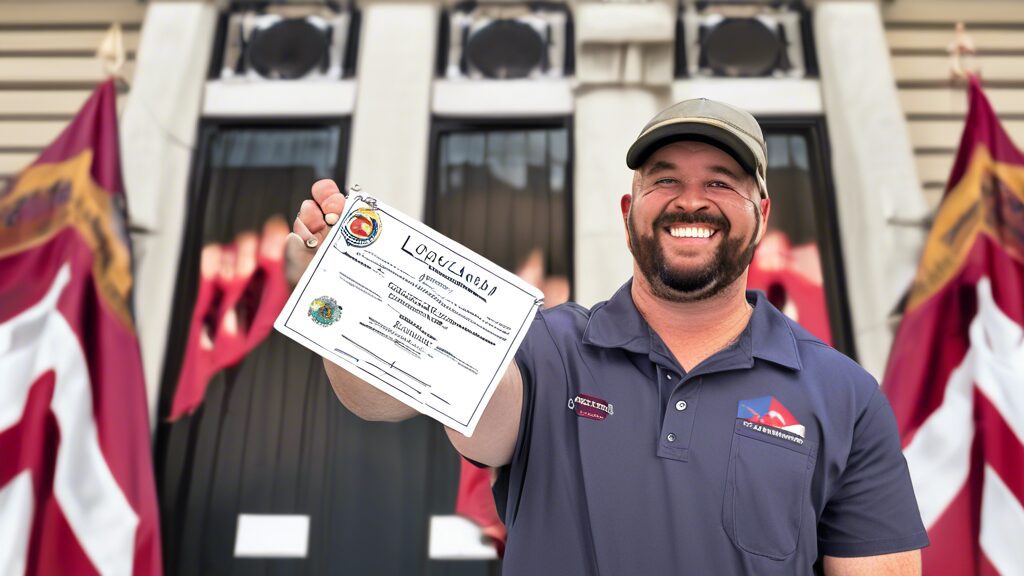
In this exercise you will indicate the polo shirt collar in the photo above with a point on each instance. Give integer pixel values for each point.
(771, 335)
(617, 323)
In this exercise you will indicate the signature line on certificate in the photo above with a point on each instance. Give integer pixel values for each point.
(392, 385)
(409, 375)
(347, 355)
(354, 359)
(391, 365)
(396, 387)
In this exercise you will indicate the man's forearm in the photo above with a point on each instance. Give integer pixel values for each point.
(364, 400)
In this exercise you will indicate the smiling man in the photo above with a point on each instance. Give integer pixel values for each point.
(684, 426)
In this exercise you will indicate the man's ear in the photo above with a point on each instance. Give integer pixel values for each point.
(765, 205)
(624, 204)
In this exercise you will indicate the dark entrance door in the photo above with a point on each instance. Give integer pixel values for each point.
(799, 262)
(270, 436)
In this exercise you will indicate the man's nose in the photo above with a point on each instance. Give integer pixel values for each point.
(691, 197)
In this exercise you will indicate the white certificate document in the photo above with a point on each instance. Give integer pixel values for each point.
(411, 312)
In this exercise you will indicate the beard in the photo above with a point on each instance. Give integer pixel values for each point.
(690, 285)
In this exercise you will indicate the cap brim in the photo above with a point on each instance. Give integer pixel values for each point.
(644, 146)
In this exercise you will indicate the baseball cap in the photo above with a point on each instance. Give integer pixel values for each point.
(728, 127)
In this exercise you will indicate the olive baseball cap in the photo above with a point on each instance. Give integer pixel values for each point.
(732, 129)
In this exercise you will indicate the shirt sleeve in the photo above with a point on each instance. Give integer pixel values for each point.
(873, 510)
(509, 478)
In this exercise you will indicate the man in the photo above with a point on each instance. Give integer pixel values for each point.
(685, 425)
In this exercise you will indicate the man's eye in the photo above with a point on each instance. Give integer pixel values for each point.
(665, 181)
(718, 184)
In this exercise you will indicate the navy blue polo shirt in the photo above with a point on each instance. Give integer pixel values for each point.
(769, 454)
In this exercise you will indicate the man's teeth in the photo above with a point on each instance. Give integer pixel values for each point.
(691, 232)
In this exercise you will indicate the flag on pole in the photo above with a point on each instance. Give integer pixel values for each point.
(77, 494)
(475, 501)
(242, 289)
(956, 371)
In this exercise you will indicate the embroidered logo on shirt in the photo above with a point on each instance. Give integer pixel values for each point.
(591, 407)
(768, 416)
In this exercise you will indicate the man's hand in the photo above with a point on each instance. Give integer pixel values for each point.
(313, 222)
(898, 564)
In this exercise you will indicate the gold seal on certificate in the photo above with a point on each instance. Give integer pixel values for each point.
(413, 313)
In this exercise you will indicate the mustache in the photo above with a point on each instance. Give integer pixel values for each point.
(669, 218)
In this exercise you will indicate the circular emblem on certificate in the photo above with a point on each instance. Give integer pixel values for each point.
(324, 311)
(362, 227)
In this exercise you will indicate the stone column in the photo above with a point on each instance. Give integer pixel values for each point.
(158, 135)
(390, 143)
(624, 76)
(875, 177)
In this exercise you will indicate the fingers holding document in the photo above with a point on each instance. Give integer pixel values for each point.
(314, 220)
(330, 199)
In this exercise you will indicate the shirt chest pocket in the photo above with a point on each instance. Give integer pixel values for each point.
(766, 489)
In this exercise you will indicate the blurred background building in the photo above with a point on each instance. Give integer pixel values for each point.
(504, 125)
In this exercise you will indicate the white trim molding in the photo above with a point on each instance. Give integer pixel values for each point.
(759, 96)
(502, 98)
(297, 98)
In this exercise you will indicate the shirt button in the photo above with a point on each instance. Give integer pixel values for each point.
(681, 405)
(671, 437)
(669, 376)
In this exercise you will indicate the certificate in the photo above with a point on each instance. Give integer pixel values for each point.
(413, 313)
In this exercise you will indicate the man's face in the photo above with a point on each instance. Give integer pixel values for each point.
(694, 219)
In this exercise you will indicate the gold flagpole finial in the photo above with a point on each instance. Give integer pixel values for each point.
(111, 52)
(961, 54)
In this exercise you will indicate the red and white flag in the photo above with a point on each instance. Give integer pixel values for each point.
(956, 372)
(77, 494)
(475, 501)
